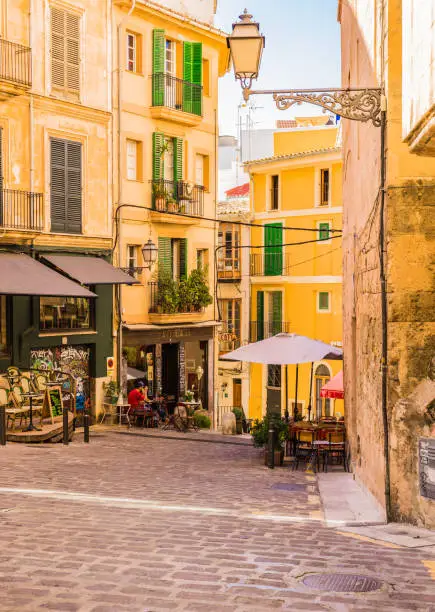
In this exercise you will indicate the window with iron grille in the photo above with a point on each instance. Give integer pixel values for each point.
(324, 187)
(229, 338)
(65, 52)
(273, 375)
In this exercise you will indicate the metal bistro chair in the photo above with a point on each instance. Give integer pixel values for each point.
(21, 402)
(304, 448)
(12, 410)
(335, 449)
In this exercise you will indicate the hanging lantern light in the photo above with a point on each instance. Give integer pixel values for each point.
(246, 46)
(149, 253)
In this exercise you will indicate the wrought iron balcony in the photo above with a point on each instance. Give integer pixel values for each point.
(228, 268)
(177, 94)
(178, 197)
(21, 210)
(259, 330)
(269, 264)
(165, 305)
(15, 65)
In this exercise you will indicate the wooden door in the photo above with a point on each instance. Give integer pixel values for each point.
(237, 393)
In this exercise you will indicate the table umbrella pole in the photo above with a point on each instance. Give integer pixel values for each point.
(311, 392)
(295, 411)
(286, 394)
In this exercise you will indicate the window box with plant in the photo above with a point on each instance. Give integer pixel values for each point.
(189, 294)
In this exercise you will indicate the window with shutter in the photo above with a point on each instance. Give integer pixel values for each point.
(132, 147)
(323, 301)
(165, 255)
(183, 257)
(66, 186)
(158, 140)
(65, 51)
(324, 231)
(192, 75)
(273, 249)
(178, 159)
(158, 67)
(275, 308)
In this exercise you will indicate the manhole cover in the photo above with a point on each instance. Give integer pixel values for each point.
(289, 487)
(342, 583)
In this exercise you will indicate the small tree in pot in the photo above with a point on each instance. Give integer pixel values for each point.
(260, 437)
(238, 413)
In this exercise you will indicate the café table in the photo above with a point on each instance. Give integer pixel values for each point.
(31, 396)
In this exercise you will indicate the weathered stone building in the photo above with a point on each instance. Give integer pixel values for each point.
(377, 46)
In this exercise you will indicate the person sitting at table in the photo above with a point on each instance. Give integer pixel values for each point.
(136, 399)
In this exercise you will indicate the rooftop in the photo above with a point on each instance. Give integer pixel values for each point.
(241, 191)
(299, 154)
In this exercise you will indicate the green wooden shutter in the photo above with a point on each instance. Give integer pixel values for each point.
(273, 249)
(196, 78)
(324, 231)
(183, 258)
(260, 315)
(158, 139)
(74, 187)
(158, 67)
(276, 312)
(165, 255)
(178, 159)
(187, 76)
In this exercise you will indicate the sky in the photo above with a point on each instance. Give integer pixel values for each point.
(302, 51)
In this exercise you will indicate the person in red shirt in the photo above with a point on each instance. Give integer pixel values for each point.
(136, 397)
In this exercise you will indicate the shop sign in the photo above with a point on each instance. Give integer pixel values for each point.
(426, 460)
(110, 366)
(227, 337)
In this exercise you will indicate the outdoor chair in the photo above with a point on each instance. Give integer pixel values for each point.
(12, 410)
(304, 447)
(335, 448)
(21, 402)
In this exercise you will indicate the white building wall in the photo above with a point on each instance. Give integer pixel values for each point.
(418, 39)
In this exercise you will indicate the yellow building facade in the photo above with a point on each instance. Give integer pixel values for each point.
(296, 288)
(55, 169)
(165, 122)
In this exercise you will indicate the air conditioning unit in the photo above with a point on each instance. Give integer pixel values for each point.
(185, 190)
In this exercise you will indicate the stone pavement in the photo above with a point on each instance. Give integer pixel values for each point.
(150, 524)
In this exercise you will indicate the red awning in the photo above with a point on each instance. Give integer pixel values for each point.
(334, 388)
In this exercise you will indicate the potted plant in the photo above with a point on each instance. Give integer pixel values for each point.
(159, 195)
(171, 203)
(260, 438)
(238, 413)
(189, 396)
(111, 391)
(167, 293)
(199, 290)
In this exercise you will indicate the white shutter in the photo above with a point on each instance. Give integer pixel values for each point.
(131, 160)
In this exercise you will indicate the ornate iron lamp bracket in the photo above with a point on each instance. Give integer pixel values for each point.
(357, 104)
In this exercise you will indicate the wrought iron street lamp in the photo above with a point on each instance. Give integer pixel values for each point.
(246, 46)
(149, 254)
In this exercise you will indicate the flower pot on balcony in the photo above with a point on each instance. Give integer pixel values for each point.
(160, 204)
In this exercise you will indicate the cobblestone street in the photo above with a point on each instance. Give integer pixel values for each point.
(151, 524)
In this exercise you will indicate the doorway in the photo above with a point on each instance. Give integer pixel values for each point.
(170, 374)
(323, 404)
(273, 397)
(237, 393)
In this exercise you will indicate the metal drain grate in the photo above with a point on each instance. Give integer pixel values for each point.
(289, 487)
(342, 583)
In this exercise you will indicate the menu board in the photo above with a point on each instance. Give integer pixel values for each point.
(181, 370)
(158, 367)
(53, 401)
(426, 460)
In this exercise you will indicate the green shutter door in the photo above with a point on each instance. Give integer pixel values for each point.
(273, 249)
(183, 258)
(165, 256)
(158, 67)
(178, 159)
(276, 312)
(74, 187)
(158, 140)
(197, 78)
(187, 77)
(260, 315)
(323, 231)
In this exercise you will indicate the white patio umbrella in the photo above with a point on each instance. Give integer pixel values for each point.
(286, 349)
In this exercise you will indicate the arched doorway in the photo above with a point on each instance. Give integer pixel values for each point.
(323, 404)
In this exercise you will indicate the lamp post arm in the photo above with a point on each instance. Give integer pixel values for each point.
(358, 104)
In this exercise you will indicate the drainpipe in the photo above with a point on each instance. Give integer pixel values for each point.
(118, 289)
(31, 139)
(384, 317)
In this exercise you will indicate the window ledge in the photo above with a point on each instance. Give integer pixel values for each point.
(68, 332)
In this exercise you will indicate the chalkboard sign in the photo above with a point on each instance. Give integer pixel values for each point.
(53, 399)
(427, 467)
(181, 370)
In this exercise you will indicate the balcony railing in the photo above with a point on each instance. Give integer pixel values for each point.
(178, 197)
(177, 94)
(229, 337)
(269, 264)
(15, 63)
(21, 209)
(259, 330)
(166, 300)
(228, 268)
